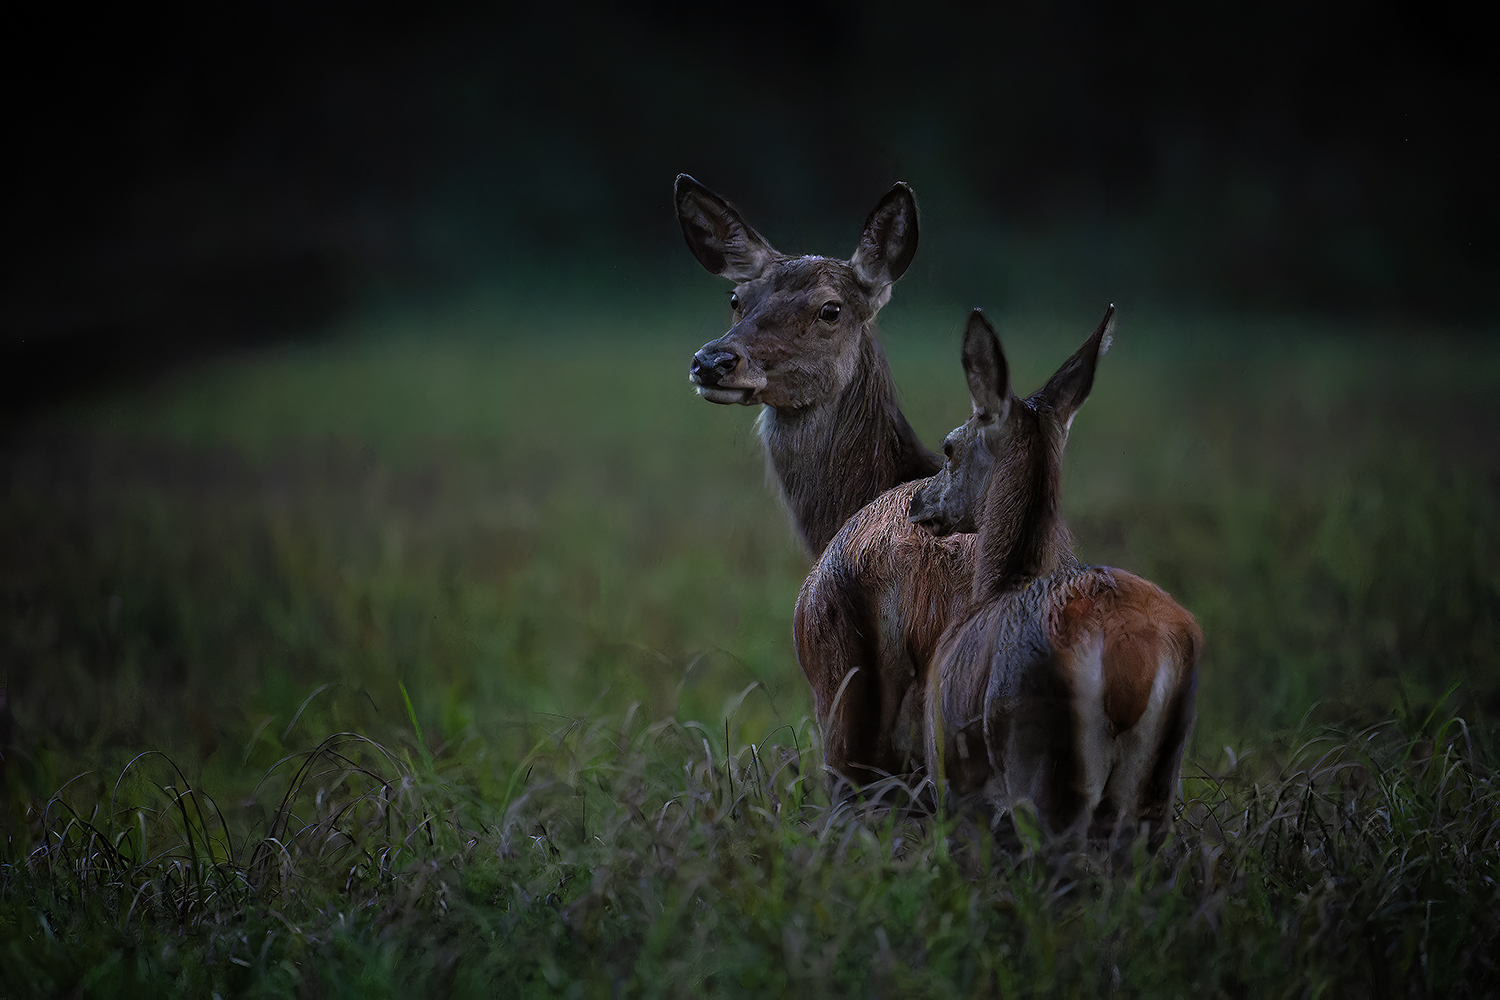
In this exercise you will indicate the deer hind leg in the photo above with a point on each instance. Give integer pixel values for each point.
(1093, 748)
(1036, 733)
(903, 690)
(1127, 797)
(1160, 784)
(836, 643)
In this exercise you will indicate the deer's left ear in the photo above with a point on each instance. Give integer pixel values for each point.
(986, 369)
(889, 241)
(1066, 390)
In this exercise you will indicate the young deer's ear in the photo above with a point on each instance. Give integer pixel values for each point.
(889, 241)
(723, 242)
(985, 368)
(1065, 391)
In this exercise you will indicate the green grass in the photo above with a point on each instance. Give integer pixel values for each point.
(620, 856)
(544, 594)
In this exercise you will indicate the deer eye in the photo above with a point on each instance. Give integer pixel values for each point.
(734, 302)
(829, 312)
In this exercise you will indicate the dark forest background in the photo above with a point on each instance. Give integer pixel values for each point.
(188, 180)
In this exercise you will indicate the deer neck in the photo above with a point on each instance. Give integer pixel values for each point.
(831, 458)
(1022, 536)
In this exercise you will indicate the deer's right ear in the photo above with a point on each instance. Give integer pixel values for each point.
(986, 369)
(723, 242)
(889, 241)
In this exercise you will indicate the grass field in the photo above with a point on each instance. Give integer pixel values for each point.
(450, 654)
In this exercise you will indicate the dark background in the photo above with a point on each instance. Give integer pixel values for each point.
(189, 181)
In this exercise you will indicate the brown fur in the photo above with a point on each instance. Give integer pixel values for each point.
(1141, 625)
(1058, 661)
(835, 440)
(877, 602)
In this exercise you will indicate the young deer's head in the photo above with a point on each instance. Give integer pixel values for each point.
(1002, 467)
(798, 321)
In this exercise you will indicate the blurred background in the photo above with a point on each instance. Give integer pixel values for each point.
(345, 345)
(185, 180)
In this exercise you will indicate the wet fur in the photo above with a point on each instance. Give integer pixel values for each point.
(876, 603)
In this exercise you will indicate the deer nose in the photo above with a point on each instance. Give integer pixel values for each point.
(711, 366)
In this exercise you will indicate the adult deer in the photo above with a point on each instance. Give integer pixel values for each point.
(1069, 685)
(802, 344)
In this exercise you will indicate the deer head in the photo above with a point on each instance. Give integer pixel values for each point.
(797, 321)
(1001, 468)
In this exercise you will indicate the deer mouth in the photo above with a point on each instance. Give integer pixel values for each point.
(726, 394)
(720, 376)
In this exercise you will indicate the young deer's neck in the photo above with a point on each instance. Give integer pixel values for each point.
(833, 457)
(1021, 532)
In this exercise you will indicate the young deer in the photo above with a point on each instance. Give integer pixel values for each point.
(802, 344)
(1072, 686)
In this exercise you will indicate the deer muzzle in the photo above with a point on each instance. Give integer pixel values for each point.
(724, 376)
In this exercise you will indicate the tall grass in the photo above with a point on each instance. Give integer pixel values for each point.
(654, 859)
(451, 654)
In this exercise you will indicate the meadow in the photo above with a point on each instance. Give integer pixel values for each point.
(449, 653)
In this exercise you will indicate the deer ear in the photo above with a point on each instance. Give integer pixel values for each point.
(723, 242)
(985, 368)
(1065, 391)
(889, 241)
